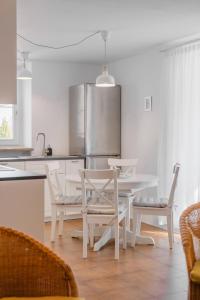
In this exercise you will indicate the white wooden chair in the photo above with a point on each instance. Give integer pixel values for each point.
(127, 168)
(101, 205)
(159, 207)
(59, 201)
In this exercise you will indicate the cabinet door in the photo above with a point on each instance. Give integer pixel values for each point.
(39, 167)
(8, 52)
(35, 166)
(72, 168)
(61, 174)
(17, 165)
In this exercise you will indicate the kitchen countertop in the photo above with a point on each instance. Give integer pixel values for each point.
(40, 158)
(15, 148)
(7, 174)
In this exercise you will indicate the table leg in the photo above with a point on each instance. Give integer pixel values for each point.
(98, 231)
(77, 233)
(144, 240)
(140, 239)
(108, 234)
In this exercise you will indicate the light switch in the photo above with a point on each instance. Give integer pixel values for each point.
(148, 103)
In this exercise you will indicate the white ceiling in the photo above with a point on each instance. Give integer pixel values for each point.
(134, 25)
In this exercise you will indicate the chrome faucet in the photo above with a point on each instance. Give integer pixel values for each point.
(44, 139)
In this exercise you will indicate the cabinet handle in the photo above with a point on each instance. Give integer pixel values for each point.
(3, 164)
(75, 161)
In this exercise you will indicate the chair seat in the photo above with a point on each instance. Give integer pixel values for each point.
(105, 210)
(143, 202)
(126, 194)
(100, 206)
(195, 273)
(43, 298)
(69, 200)
(130, 194)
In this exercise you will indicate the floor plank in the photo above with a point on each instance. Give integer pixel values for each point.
(143, 273)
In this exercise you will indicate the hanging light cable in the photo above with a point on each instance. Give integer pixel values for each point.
(24, 74)
(105, 79)
(58, 47)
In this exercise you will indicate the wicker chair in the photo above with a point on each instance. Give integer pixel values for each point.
(189, 226)
(29, 269)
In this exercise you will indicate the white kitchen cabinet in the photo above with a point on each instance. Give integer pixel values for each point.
(8, 59)
(72, 168)
(66, 167)
(39, 167)
(22, 205)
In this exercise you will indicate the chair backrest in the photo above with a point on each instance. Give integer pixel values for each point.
(189, 226)
(103, 189)
(55, 188)
(29, 269)
(174, 184)
(127, 166)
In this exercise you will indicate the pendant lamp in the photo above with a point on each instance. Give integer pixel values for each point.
(105, 79)
(24, 74)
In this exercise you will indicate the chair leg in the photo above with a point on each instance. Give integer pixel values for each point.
(85, 236)
(169, 229)
(134, 228)
(139, 220)
(124, 224)
(91, 235)
(128, 214)
(60, 226)
(172, 227)
(53, 223)
(117, 240)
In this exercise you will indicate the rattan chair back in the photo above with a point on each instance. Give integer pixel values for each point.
(189, 225)
(29, 269)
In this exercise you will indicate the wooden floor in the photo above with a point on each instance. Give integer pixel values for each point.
(146, 272)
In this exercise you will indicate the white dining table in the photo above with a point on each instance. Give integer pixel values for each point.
(137, 183)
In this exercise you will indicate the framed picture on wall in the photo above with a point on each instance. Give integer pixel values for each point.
(148, 103)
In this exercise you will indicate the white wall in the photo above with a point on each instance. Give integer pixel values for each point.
(140, 76)
(50, 84)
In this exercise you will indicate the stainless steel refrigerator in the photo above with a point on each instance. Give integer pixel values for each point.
(95, 123)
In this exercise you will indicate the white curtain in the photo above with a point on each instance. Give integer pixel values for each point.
(180, 125)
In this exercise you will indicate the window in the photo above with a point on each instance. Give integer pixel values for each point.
(180, 127)
(15, 120)
(8, 124)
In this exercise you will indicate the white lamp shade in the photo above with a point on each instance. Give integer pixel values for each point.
(105, 79)
(24, 74)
